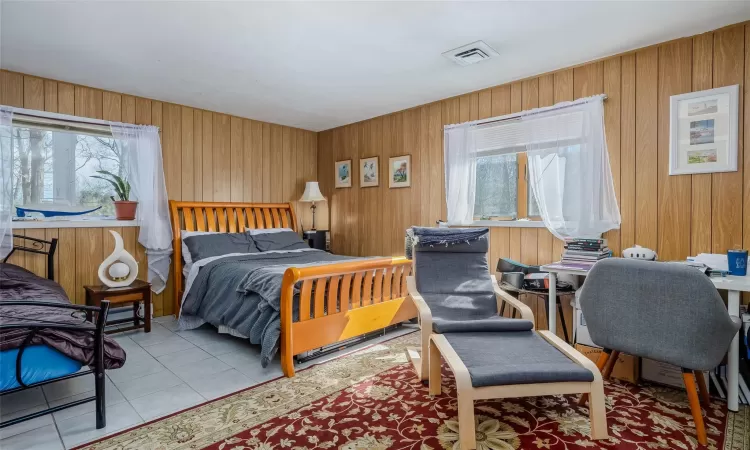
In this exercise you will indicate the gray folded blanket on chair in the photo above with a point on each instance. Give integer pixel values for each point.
(448, 236)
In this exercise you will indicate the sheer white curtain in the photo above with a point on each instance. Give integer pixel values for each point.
(569, 171)
(6, 183)
(146, 177)
(460, 174)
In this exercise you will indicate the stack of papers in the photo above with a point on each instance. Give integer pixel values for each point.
(715, 261)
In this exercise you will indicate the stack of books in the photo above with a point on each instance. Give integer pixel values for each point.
(589, 251)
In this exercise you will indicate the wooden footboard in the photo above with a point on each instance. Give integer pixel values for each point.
(340, 301)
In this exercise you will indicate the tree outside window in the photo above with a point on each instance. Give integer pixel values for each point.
(55, 167)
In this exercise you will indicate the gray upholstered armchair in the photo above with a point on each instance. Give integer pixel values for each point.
(453, 290)
(662, 311)
(490, 356)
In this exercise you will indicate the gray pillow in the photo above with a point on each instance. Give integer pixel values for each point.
(278, 240)
(208, 245)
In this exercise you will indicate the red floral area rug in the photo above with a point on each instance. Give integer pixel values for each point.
(371, 400)
(393, 410)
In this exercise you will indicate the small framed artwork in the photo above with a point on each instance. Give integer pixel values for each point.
(399, 170)
(343, 174)
(368, 172)
(703, 131)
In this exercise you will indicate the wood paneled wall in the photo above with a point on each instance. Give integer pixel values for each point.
(208, 156)
(676, 215)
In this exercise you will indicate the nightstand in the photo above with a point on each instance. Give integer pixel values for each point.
(138, 291)
(316, 238)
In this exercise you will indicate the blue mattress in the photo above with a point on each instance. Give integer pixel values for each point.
(38, 363)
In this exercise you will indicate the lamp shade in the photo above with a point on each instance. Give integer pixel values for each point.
(312, 193)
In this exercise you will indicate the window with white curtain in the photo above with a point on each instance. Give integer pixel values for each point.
(56, 167)
(559, 157)
(497, 187)
(501, 176)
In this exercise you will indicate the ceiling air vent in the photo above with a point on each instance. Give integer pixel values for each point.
(470, 53)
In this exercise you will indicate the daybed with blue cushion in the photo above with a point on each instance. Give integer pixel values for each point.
(491, 356)
(44, 338)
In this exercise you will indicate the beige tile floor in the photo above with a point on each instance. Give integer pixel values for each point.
(160, 377)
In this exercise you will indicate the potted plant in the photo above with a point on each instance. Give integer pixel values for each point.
(124, 208)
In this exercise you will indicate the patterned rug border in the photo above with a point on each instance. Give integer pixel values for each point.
(218, 399)
(733, 440)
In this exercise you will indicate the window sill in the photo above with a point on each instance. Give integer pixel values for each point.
(509, 223)
(57, 222)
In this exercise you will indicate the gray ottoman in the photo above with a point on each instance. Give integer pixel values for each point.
(514, 364)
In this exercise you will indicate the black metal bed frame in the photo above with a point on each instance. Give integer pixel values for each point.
(37, 246)
(78, 311)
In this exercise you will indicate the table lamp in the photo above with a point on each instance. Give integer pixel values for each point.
(312, 194)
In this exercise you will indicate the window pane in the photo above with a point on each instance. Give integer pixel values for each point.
(497, 186)
(53, 170)
(532, 208)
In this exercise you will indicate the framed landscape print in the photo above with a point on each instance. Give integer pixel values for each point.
(703, 131)
(368, 172)
(343, 171)
(399, 171)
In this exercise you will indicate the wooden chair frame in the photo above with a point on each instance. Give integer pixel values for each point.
(337, 301)
(696, 396)
(420, 357)
(466, 393)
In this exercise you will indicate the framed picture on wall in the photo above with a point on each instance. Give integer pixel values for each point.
(343, 172)
(399, 171)
(703, 131)
(368, 172)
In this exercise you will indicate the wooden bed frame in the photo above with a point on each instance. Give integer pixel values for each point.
(338, 301)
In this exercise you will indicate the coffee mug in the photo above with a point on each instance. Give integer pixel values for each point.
(737, 260)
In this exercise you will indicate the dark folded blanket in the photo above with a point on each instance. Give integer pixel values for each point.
(448, 236)
(17, 283)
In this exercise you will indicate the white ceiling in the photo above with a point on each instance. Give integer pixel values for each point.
(317, 65)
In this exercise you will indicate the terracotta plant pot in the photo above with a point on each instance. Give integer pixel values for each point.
(125, 210)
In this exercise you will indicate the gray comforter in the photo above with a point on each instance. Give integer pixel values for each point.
(244, 293)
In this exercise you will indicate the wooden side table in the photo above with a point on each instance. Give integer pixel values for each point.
(138, 291)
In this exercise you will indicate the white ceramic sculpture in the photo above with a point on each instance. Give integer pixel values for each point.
(121, 267)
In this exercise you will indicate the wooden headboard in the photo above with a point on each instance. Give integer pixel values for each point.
(223, 218)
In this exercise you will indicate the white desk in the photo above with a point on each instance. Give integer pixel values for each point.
(733, 284)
